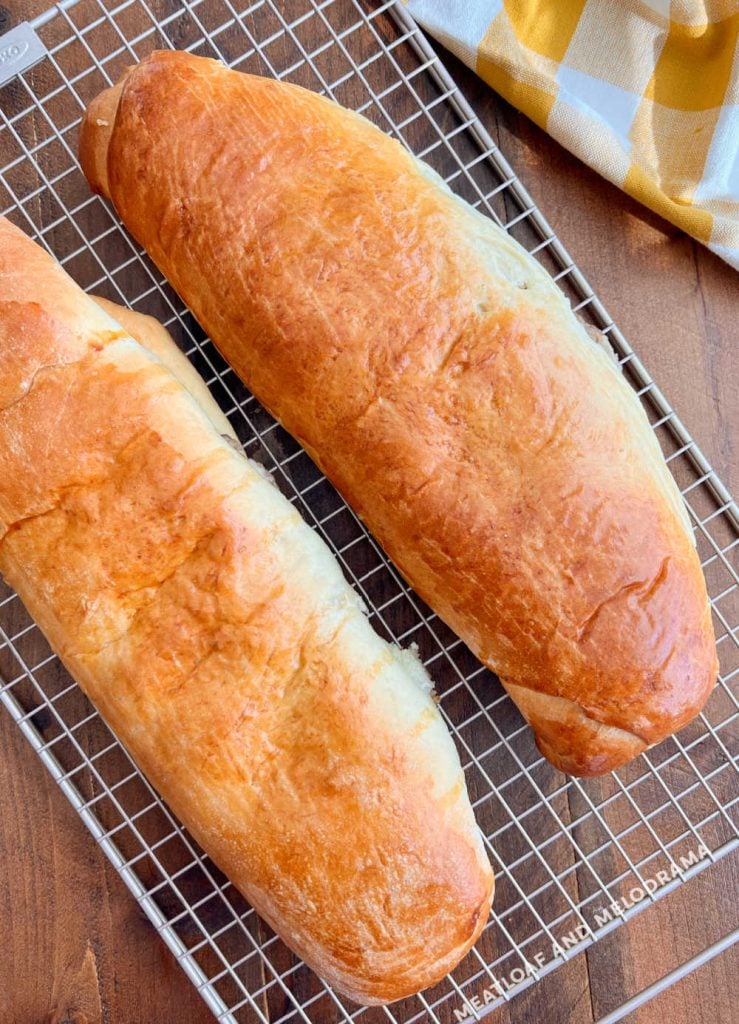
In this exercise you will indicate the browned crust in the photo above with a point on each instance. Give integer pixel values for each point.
(157, 340)
(217, 636)
(99, 121)
(436, 375)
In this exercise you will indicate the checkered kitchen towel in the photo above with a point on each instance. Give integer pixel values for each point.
(644, 91)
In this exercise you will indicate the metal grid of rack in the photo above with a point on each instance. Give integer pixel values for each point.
(573, 858)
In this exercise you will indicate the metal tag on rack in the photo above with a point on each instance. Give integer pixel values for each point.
(20, 49)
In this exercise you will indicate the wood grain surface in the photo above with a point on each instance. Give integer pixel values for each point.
(77, 949)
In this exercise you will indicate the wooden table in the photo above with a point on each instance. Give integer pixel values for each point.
(76, 947)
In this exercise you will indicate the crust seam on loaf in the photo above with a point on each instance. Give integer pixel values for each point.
(578, 707)
(37, 373)
(64, 489)
(645, 589)
(18, 523)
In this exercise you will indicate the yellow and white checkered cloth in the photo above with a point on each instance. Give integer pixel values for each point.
(644, 91)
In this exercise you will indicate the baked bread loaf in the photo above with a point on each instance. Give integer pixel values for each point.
(438, 377)
(157, 340)
(216, 634)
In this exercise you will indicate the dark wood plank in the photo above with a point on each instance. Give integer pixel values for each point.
(78, 949)
(76, 946)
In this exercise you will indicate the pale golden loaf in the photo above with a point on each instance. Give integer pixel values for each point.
(437, 375)
(157, 340)
(216, 634)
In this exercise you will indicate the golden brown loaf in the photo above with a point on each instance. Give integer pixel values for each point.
(439, 378)
(216, 634)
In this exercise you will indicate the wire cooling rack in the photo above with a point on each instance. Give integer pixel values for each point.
(573, 858)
